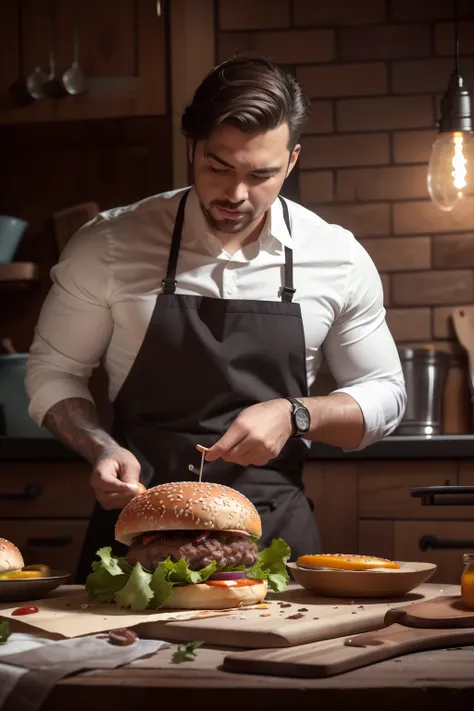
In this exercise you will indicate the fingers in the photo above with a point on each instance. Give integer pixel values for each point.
(234, 435)
(114, 501)
(115, 480)
(129, 469)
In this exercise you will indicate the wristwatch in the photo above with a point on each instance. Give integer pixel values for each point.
(300, 418)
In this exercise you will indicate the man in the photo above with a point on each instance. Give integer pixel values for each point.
(212, 306)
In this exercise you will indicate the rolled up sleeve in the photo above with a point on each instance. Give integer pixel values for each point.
(75, 323)
(362, 354)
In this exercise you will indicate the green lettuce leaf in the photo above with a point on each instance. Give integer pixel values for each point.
(114, 580)
(109, 575)
(271, 565)
(168, 574)
(137, 592)
(5, 632)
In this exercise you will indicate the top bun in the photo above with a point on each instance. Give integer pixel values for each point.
(187, 506)
(10, 557)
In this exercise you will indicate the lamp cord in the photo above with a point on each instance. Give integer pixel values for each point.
(456, 36)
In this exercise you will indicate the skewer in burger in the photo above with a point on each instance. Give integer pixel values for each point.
(192, 545)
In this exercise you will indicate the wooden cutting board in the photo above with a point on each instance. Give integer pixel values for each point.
(433, 624)
(295, 617)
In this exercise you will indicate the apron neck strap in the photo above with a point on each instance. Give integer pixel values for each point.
(169, 282)
(287, 290)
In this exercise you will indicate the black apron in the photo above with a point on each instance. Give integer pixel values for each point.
(203, 361)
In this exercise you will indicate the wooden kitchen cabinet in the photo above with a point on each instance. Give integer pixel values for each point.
(45, 490)
(55, 542)
(44, 510)
(367, 507)
(122, 49)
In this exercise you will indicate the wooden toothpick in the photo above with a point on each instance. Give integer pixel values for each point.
(203, 450)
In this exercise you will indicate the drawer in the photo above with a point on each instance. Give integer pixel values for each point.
(57, 543)
(384, 489)
(408, 536)
(45, 490)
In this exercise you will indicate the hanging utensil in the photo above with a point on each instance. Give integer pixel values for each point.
(463, 321)
(27, 90)
(74, 79)
(54, 87)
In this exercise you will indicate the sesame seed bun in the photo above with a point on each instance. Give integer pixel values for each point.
(187, 506)
(10, 557)
(209, 597)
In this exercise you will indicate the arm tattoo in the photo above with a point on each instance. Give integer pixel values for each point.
(75, 422)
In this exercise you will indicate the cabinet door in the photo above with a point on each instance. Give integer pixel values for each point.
(56, 543)
(45, 490)
(408, 537)
(122, 49)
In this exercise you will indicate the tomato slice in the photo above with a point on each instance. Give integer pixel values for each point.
(240, 583)
(27, 610)
(149, 538)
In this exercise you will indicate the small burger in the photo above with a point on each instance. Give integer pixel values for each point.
(12, 565)
(11, 559)
(191, 545)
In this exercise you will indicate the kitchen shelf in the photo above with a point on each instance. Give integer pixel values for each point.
(14, 275)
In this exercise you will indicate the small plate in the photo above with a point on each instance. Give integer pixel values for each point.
(31, 588)
(363, 583)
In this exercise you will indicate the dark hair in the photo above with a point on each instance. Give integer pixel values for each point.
(252, 94)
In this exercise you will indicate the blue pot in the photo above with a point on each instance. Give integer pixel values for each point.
(12, 230)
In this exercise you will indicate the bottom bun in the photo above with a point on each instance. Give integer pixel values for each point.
(215, 597)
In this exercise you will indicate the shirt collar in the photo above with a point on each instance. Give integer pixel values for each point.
(196, 226)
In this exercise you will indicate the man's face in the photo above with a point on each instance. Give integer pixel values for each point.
(237, 175)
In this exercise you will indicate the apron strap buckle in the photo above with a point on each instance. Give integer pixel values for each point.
(287, 293)
(169, 285)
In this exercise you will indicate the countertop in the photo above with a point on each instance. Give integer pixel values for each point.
(436, 447)
(435, 680)
(438, 680)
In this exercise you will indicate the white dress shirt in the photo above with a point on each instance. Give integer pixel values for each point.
(110, 273)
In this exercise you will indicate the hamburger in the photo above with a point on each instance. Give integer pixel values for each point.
(346, 561)
(11, 559)
(191, 545)
(12, 565)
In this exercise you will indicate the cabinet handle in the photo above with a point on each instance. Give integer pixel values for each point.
(53, 542)
(428, 541)
(29, 493)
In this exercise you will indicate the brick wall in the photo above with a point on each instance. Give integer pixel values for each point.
(375, 70)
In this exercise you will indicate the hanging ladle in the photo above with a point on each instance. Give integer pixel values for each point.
(26, 90)
(74, 79)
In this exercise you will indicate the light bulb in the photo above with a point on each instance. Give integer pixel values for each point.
(451, 168)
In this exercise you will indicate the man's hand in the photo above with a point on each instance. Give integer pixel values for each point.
(115, 478)
(257, 435)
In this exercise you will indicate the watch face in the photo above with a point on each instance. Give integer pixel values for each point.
(302, 419)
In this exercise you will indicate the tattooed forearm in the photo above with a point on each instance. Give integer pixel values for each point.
(75, 422)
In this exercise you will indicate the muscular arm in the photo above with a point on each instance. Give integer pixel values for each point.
(75, 422)
(336, 419)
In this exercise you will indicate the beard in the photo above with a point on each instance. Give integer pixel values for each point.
(226, 226)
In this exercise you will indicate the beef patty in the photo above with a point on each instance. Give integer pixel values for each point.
(227, 551)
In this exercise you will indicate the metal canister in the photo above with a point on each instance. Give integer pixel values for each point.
(425, 371)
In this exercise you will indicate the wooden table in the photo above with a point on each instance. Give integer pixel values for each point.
(442, 679)
(435, 680)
